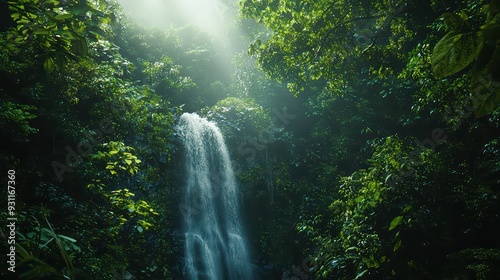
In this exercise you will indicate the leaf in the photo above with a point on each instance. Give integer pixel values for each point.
(66, 237)
(63, 16)
(81, 46)
(78, 11)
(352, 248)
(361, 274)
(60, 61)
(140, 229)
(388, 177)
(41, 31)
(454, 52)
(455, 22)
(48, 64)
(490, 32)
(65, 33)
(485, 96)
(397, 245)
(15, 16)
(395, 222)
(360, 199)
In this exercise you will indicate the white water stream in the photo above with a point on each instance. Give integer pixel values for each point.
(215, 247)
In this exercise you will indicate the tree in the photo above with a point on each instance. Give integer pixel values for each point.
(60, 30)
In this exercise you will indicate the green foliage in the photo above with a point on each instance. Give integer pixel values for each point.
(43, 240)
(165, 76)
(60, 30)
(371, 211)
(462, 45)
(36, 266)
(121, 199)
(455, 52)
(119, 157)
(395, 222)
(244, 114)
(195, 64)
(15, 120)
(380, 216)
(483, 263)
(96, 101)
(314, 43)
(274, 201)
(486, 95)
(242, 118)
(346, 176)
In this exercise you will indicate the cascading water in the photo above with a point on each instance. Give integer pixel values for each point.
(215, 248)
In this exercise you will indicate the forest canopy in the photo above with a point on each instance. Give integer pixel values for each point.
(364, 136)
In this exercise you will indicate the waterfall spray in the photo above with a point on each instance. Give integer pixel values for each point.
(215, 247)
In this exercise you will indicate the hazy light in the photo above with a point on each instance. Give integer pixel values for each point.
(208, 15)
(211, 16)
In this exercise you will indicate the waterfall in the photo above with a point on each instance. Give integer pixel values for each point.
(215, 247)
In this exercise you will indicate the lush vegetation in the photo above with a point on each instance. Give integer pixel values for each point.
(365, 137)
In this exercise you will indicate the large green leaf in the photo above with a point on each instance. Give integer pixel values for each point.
(485, 95)
(48, 64)
(455, 22)
(454, 52)
(41, 31)
(63, 16)
(395, 222)
(81, 46)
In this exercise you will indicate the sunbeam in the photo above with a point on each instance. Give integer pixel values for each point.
(207, 15)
